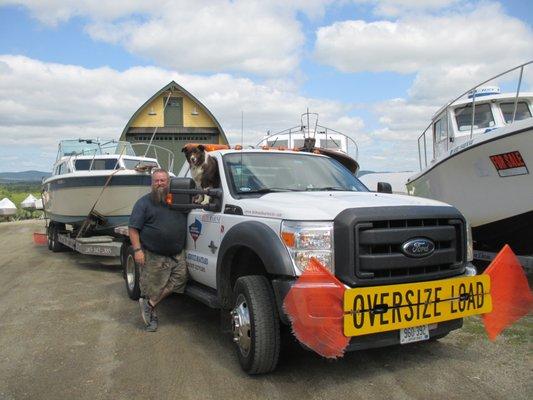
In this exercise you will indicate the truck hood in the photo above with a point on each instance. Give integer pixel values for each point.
(325, 206)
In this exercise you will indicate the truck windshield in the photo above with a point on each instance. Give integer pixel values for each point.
(286, 172)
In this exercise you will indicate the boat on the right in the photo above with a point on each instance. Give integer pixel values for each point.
(480, 152)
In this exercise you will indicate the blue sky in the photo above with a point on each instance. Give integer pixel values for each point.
(374, 70)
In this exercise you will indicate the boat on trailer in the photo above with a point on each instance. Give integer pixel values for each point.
(480, 147)
(310, 136)
(95, 183)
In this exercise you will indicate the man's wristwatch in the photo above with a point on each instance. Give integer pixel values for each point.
(135, 250)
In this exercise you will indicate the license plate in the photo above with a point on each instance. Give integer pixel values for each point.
(414, 334)
(384, 308)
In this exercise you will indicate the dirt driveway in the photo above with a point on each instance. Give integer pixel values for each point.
(68, 331)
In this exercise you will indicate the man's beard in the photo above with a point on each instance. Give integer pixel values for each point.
(159, 195)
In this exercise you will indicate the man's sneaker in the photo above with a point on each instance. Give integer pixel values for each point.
(152, 326)
(146, 310)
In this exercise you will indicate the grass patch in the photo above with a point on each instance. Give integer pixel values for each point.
(17, 192)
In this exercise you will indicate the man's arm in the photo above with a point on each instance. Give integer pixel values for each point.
(136, 243)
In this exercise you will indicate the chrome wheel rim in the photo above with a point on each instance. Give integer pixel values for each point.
(241, 327)
(130, 272)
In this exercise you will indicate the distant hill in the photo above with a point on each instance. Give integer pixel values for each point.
(23, 176)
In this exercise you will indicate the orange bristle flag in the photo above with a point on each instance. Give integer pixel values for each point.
(314, 306)
(511, 296)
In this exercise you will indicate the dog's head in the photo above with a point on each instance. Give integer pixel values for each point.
(195, 154)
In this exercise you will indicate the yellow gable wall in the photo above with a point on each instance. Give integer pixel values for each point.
(144, 120)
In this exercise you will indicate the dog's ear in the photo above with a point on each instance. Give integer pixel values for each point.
(184, 149)
(201, 147)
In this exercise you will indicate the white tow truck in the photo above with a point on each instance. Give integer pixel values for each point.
(274, 210)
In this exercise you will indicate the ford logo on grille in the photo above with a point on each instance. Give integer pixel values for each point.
(418, 247)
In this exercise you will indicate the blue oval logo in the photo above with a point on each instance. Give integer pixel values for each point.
(418, 247)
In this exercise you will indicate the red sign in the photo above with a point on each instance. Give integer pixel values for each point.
(509, 164)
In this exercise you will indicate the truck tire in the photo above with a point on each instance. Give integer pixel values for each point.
(131, 274)
(255, 325)
(53, 242)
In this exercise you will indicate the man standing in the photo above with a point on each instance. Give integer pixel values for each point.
(157, 235)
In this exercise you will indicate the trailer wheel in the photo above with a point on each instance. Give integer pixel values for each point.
(131, 274)
(255, 325)
(53, 242)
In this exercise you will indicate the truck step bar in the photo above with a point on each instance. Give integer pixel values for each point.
(203, 294)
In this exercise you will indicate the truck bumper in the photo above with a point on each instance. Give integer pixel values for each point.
(392, 338)
(282, 286)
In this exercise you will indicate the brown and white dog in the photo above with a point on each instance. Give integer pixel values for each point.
(204, 169)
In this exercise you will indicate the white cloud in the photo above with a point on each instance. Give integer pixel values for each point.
(54, 12)
(414, 43)
(397, 7)
(449, 54)
(260, 37)
(42, 103)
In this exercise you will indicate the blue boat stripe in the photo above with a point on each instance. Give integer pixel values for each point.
(85, 181)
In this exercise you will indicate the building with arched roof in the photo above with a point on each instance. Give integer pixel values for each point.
(177, 118)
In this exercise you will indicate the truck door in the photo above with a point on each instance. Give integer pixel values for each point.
(203, 242)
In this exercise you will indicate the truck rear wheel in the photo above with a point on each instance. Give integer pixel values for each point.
(255, 325)
(131, 274)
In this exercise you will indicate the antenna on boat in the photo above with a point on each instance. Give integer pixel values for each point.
(242, 144)
(308, 127)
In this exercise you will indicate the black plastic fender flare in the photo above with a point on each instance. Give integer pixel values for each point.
(264, 242)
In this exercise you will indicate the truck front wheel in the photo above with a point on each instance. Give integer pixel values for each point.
(131, 273)
(255, 325)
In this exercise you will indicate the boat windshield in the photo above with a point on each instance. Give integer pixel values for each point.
(522, 111)
(277, 172)
(132, 164)
(89, 147)
(483, 117)
(98, 164)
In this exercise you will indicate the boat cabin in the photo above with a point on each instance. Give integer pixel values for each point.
(95, 155)
(326, 138)
(453, 125)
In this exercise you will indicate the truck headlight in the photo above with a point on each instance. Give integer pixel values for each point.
(469, 243)
(306, 239)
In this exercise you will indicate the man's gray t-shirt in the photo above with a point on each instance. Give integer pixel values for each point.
(161, 229)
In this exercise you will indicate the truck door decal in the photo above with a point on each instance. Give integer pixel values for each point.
(195, 230)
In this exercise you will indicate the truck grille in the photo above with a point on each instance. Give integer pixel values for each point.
(375, 244)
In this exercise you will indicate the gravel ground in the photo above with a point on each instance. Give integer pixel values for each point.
(69, 331)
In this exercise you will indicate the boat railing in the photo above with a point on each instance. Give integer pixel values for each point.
(97, 147)
(310, 129)
(423, 138)
(164, 156)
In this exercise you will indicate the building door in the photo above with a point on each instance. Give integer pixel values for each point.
(174, 112)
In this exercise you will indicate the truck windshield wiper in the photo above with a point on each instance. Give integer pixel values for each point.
(268, 190)
(327, 188)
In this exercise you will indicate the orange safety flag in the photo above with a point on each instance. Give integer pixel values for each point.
(510, 292)
(314, 305)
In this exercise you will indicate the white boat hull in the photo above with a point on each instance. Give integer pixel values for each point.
(71, 198)
(469, 180)
(7, 212)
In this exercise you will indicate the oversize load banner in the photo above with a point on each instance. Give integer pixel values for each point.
(385, 308)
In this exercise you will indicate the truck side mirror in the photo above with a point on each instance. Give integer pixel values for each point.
(384, 187)
(182, 192)
(179, 188)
